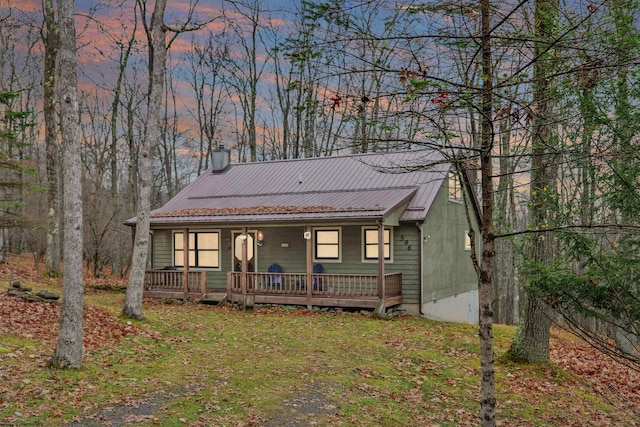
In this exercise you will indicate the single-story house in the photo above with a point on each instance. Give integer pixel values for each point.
(369, 231)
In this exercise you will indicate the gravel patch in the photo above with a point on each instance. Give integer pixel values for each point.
(305, 408)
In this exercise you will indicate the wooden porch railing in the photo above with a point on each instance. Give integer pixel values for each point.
(346, 290)
(393, 284)
(349, 285)
(173, 280)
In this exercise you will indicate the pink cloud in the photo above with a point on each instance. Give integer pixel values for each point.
(25, 5)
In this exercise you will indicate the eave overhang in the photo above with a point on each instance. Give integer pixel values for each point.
(364, 205)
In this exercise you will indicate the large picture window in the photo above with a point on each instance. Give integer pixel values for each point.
(370, 243)
(327, 244)
(204, 249)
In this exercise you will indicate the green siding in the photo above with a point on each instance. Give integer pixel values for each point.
(162, 249)
(406, 241)
(292, 259)
(447, 265)
(217, 279)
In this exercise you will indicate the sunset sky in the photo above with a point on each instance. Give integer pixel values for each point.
(365, 68)
(102, 25)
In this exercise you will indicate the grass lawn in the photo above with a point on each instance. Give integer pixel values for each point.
(200, 365)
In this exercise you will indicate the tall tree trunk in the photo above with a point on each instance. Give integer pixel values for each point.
(504, 272)
(68, 352)
(116, 196)
(51, 43)
(115, 106)
(133, 157)
(531, 343)
(156, 34)
(485, 282)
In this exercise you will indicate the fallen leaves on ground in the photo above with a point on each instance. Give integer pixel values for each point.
(39, 321)
(612, 380)
(35, 324)
(23, 268)
(19, 268)
(29, 330)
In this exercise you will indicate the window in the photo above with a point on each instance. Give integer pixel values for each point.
(467, 241)
(327, 244)
(370, 243)
(455, 188)
(204, 249)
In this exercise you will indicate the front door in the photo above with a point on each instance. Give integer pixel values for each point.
(238, 241)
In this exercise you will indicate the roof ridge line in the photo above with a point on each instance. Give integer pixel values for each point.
(339, 156)
(290, 193)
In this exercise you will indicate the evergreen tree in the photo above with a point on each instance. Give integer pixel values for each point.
(14, 166)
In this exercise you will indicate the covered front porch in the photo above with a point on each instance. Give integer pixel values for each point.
(248, 288)
(371, 287)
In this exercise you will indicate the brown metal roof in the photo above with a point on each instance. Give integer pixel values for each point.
(368, 186)
(374, 204)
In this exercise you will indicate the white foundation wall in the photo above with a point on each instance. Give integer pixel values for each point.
(460, 308)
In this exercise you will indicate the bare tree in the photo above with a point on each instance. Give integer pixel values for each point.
(125, 54)
(156, 35)
(100, 214)
(51, 42)
(134, 120)
(156, 32)
(119, 206)
(245, 73)
(204, 75)
(68, 352)
(506, 285)
(173, 146)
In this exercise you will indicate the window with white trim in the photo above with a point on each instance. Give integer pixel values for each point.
(204, 249)
(370, 243)
(327, 245)
(455, 187)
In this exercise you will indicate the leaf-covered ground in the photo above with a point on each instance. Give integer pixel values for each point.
(199, 365)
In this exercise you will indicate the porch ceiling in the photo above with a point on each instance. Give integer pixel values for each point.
(364, 204)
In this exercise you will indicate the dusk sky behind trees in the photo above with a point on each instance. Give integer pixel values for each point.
(104, 26)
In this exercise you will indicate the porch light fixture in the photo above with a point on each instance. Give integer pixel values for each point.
(242, 237)
(260, 237)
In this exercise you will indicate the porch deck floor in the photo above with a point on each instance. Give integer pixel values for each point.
(271, 298)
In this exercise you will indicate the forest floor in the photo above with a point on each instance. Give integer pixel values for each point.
(198, 365)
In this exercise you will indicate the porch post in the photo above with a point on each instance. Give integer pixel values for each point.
(381, 284)
(185, 261)
(203, 283)
(245, 264)
(309, 267)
